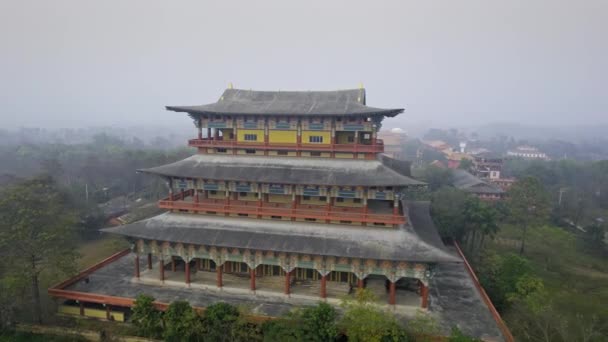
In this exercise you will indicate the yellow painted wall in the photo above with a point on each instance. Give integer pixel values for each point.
(282, 137)
(221, 194)
(69, 310)
(274, 198)
(323, 154)
(249, 196)
(345, 155)
(348, 202)
(258, 152)
(325, 134)
(276, 153)
(342, 137)
(241, 134)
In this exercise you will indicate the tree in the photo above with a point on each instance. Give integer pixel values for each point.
(447, 208)
(37, 233)
(318, 323)
(182, 323)
(459, 336)
(363, 321)
(146, 319)
(220, 322)
(480, 220)
(528, 205)
(437, 177)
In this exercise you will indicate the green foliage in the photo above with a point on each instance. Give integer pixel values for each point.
(508, 279)
(182, 323)
(146, 318)
(458, 336)
(480, 220)
(318, 323)
(447, 208)
(437, 177)
(284, 330)
(363, 321)
(528, 205)
(37, 236)
(221, 322)
(423, 326)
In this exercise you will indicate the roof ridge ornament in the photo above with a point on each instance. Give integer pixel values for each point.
(230, 86)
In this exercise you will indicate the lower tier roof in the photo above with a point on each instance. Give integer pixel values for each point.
(416, 242)
(383, 171)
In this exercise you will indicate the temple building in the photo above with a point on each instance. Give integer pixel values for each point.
(290, 185)
(289, 200)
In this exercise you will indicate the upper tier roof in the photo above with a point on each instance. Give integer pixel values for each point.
(418, 241)
(383, 171)
(253, 102)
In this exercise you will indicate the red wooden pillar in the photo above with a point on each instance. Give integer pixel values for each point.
(219, 276)
(324, 286)
(208, 133)
(107, 312)
(161, 269)
(424, 293)
(187, 263)
(197, 264)
(392, 297)
(287, 282)
(149, 261)
(200, 129)
(81, 308)
(172, 264)
(252, 279)
(360, 283)
(137, 266)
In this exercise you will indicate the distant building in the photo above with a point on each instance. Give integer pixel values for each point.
(527, 152)
(487, 167)
(394, 141)
(480, 188)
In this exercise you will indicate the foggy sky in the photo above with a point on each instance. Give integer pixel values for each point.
(114, 62)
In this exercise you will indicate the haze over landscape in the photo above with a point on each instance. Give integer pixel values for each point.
(87, 63)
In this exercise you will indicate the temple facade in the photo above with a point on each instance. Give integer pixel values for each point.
(290, 188)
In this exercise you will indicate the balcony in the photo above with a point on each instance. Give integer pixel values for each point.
(284, 210)
(350, 148)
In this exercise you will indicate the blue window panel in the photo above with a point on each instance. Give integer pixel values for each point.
(380, 195)
(211, 187)
(182, 184)
(250, 125)
(276, 191)
(283, 125)
(317, 126)
(243, 188)
(216, 125)
(352, 127)
(347, 194)
(311, 192)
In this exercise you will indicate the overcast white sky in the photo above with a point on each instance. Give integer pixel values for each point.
(76, 63)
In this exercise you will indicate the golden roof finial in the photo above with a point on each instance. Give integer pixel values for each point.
(360, 85)
(230, 85)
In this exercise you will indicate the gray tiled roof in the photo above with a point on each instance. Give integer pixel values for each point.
(253, 102)
(463, 180)
(285, 170)
(417, 242)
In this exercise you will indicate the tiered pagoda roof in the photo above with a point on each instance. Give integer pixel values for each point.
(290, 103)
(383, 171)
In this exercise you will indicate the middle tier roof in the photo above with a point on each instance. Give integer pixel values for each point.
(383, 171)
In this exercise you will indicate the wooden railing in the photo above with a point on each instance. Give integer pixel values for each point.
(501, 324)
(256, 210)
(353, 148)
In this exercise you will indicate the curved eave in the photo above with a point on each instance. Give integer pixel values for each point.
(367, 111)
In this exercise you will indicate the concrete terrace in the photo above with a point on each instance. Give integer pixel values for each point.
(454, 300)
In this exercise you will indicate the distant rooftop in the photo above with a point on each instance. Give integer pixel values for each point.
(467, 182)
(289, 103)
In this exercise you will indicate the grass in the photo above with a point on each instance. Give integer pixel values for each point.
(576, 277)
(93, 251)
